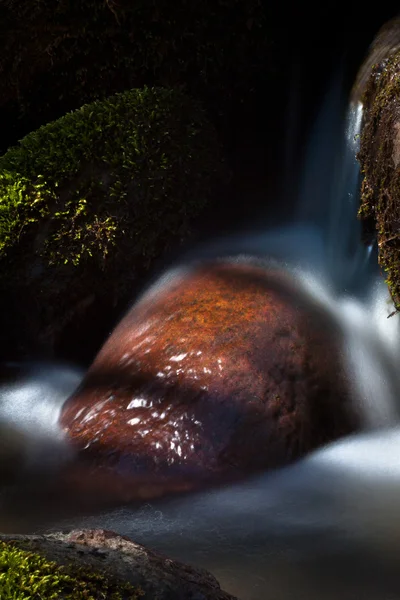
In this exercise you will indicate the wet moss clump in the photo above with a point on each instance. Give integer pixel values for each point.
(379, 157)
(29, 576)
(97, 195)
(133, 166)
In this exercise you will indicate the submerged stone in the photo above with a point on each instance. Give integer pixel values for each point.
(218, 371)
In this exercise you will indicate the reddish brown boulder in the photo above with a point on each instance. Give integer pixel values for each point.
(220, 371)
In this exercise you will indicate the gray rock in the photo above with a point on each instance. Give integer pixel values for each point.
(159, 577)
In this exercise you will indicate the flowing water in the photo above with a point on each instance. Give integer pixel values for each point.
(327, 527)
(31, 397)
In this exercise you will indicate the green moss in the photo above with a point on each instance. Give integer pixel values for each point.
(380, 191)
(29, 576)
(125, 171)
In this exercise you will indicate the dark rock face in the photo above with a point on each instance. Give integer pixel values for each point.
(218, 372)
(119, 557)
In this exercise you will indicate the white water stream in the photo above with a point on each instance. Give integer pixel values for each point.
(327, 527)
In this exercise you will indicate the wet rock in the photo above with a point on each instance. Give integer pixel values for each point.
(121, 560)
(379, 154)
(216, 372)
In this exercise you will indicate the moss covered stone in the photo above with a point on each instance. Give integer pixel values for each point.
(98, 194)
(380, 164)
(96, 565)
(29, 576)
(134, 165)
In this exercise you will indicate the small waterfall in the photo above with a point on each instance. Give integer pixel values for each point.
(371, 347)
(324, 528)
(344, 234)
(329, 191)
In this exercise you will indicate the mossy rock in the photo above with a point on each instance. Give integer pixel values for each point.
(56, 56)
(96, 565)
(27, 575)
(88, 202)
(379, 157)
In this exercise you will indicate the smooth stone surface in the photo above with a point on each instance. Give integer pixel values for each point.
(218, 371)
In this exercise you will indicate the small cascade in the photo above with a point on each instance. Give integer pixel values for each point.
(344, 234)
(329, 191)
(326, 527)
